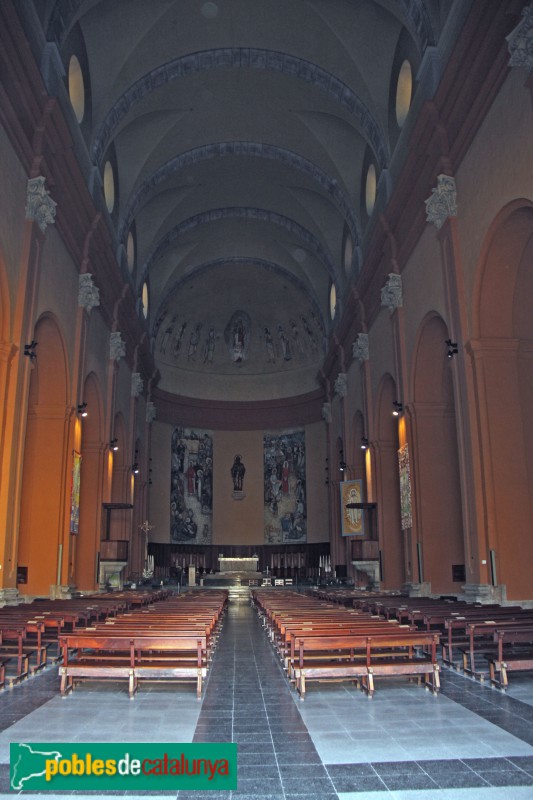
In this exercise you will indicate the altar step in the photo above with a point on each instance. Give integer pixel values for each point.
(238, 593)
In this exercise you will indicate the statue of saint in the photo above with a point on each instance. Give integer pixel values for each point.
(237, 473)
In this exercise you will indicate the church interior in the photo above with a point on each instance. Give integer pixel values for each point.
(258, 358)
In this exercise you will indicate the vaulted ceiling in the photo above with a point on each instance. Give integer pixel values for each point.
(238, 137)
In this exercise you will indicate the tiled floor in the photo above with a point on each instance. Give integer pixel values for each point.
(469, 743)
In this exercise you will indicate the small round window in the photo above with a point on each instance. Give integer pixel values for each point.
(370, 189)
(76, 88)
(130, 251)
(109, 186)
(404, 91)
(332, 301)
(145, 300)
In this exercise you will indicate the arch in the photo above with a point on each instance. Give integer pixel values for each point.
(245, 213)
(435, 461)
(91, 487)
(505, 244)
(47, 463)
(236, 261)
(243, 58)
(391, 537)
(5, 311)
(330, 186)
(502, 356)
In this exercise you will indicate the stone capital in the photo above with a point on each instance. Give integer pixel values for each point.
(341, 384)
(360, 348)
(442, 202)
(326, 413)
(136, 384)
(39, 205)
(391, 293)
(150, 412)
(117, 346)
(88, 293)
(520, 41)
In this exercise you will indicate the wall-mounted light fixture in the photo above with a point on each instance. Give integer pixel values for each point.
(364, 443)
(327, 471)
(29, 350)
(452, 348)
(342, 462)
(135, 468)
(397, 408)
(113, 445)
(82, 409)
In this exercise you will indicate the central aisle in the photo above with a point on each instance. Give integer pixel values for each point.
(248, 701)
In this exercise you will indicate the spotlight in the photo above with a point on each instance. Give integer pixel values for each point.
(113, 445)
(82, 409)
(342, 464)
(364, 443)
(135, 468)
(398, 408)
(29, 350)
(452, 348)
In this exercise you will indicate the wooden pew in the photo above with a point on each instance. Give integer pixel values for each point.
(364, 657)
(514, 654)
(160, 656)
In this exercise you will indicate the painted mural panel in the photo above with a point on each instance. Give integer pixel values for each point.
(191, 486)
(285, 487)
(352, 518)
(405, 487)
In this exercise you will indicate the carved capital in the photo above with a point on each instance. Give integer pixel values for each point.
(326, 413)
(391, 293)
(150, 412)
(117, 346)
(443, 201)
(520, 41)
(341, 384)
(39, 205)
(136, 384)
(360, 348)
(88, 293)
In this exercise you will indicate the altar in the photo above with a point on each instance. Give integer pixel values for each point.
(238, 564)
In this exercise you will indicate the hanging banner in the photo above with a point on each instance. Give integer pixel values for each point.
(353, 523)
(75, 494)
(405, 487)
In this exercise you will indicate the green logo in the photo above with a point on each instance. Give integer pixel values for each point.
(37, 767)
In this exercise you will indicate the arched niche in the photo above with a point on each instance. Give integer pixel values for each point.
(47, 467)
(441, 554)
(502, 356)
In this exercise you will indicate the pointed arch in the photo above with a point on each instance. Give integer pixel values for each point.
(435, 460)
(502, 358)
(46, 475)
